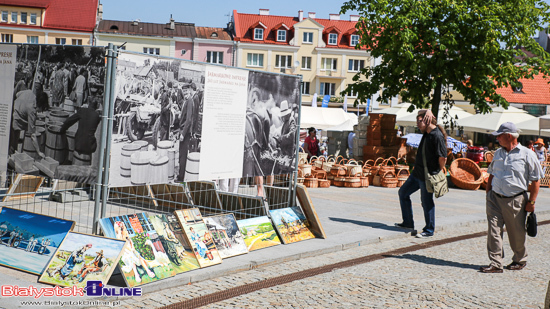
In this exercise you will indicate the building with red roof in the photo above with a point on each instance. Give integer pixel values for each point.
(48, 21)
(321, 50)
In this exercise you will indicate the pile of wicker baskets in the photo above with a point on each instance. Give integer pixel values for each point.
(466, 174)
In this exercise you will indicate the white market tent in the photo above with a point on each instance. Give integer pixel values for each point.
(345, 126)
(324, 118)
(487, 123)
(399, 111)
(532, 126)
(455, 112)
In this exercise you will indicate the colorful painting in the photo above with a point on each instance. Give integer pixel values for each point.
(144, 260)
(258, 233)
(172, 239)
(291, 224)
(199, 237)
(226, 234)
(83, 257)
(29, 240)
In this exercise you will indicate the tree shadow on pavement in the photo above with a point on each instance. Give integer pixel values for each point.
(376, 225)
(432, 261)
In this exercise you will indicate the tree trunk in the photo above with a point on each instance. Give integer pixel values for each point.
(436, 100)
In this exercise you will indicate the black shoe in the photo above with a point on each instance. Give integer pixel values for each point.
(403, 226)
(516, 266)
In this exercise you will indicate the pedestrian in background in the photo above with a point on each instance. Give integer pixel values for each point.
(510, 172)
(311, 144)
(434, 149)
(540, 150)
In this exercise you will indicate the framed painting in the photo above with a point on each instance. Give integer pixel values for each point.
(144, 260)
(199, 238)
(83, 257)
(171, 236)
(226, 235)
(29, 240)
(258, 233)
(188, 216)
(291, 224)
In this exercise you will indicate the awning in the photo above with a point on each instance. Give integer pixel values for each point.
(324, 118)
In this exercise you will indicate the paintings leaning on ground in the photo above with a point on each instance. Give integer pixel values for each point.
(144, 260)
(258, 233)
(52, 98)
(226, 234)
(198, 236)
(174, 117)
(28, 240)
(83, 257)
(291, 224)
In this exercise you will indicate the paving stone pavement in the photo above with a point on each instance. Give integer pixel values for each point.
(443, 276)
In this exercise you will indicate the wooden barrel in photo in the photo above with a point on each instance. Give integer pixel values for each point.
(54, 123)
(41, 116)
(41, 138)
(69, 106)
(163, 147)
(58, 116)
(140, 171)
(127, 151)
(40, 123)
(192, 166)
(70, 144)
(81, 159)
(171, 164)
(159, 169)
(144, 145)
(28, 147)
(56, 144)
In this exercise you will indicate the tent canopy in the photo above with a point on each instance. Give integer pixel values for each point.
(455, 112)
(324, 118)
(531, 127)
(487, 123)
(399, 110)
(413, 140)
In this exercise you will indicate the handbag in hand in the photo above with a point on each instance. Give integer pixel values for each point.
(531, 224)
(436, 184)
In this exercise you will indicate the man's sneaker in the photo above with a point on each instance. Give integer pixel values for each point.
(403, 226)
(423, 235)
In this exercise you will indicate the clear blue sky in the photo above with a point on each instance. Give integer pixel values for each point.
(212, 13)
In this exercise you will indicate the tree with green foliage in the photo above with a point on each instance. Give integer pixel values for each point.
(475, 46)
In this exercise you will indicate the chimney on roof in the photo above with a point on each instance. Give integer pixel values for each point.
(172, 23)
(264, 11)
(300, 15)
(135, 22)
(100, 12)
(354, 18)
(311, 14)
(334, 16)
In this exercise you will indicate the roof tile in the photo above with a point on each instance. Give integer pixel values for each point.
(534, 91)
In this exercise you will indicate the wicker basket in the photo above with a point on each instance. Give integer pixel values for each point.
(466, 174)
(388, 180)
(302, 155)
(328, 164)
(339, 181)
(402, 176)
(488, 156)
(353, 168)
(300, 178)
(318, 164)
(352, 181)
(387, 166)
(319, 174)
(323, 181)
(367, 166)
(311, 182)
(364, 181)
(338, 170)
(330, 178)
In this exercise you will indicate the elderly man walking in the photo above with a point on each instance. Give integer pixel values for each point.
(508, 202)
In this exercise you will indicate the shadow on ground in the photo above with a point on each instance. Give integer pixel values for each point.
(375, 225)
(432, 261)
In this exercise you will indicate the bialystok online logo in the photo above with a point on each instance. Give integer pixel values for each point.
(93, 288)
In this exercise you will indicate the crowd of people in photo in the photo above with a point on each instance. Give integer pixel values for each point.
(15, 237)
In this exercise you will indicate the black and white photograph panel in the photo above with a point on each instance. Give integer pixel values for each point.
(158, 120)
(56, 114)
(271, 124)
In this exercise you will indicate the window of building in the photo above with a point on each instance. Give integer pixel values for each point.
(77, 41)
(23, 17)
(283, 61)
(255, 60)
(258, 34)
(306, 63)
(60, 41)
(354, 40)
(7, 38)
(33, 18)
(281, 35)
(356, 65)
(5, 16)
(328, 88)
(329, 64)
(32, 39)
(308, 37)
(151, 50)
(305, 88)
(332, 38)
(214, 57)
(13, 17)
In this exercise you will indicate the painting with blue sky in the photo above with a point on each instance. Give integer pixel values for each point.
(29, 240)
(291, 224)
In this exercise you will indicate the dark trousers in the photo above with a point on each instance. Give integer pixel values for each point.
(410, 186)
(184, 150)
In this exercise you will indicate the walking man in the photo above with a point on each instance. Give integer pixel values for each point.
(433, 151)
(507, 201)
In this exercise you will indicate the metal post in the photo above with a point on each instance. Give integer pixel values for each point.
(109, 132)
(103, 141)
(294, 183)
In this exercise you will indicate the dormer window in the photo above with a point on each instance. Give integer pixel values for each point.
(258, 34)
(214, 35)
(332, 38)
(281, 35)
(354, 40)
(518, 88)
(114, 27)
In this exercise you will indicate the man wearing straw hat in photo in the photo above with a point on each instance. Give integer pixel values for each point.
(510, 172)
